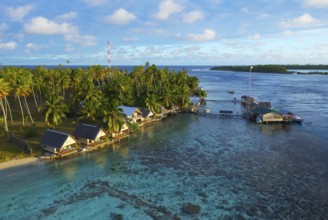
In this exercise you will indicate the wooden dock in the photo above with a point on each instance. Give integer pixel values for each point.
(220, 91)
(235, 101)
(219, 115)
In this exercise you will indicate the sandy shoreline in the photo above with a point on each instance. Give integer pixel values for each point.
(19, 162)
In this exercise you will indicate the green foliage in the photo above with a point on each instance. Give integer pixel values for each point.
(308, 67)
(95, 93)
(200, 93)
(134, 127)
(54, 109)
(31, 132)
(256, 68)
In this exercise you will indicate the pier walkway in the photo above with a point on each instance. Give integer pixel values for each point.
(220, 91)
(235, 101)
(219, 115)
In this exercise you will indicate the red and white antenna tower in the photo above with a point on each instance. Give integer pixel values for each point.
(108, 54)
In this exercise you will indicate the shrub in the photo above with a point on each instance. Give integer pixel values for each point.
(31, 132)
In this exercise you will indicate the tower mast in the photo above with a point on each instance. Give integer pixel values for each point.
(108, 54)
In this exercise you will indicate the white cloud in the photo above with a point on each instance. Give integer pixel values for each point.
(257, 38)
(69, 48)
(287, 33)
(191, 17)
(192, 48)
(244, 9)
(231, 43)
(306, 20)
(207, 35)
(3, 26)
(264, 16)
(31, 46)
(316, 3)
(11, 45)
(130, 39)
(67, 16)
(120, 17)
(94, 3)
(18, 14)
(43, 26)
(167, 8)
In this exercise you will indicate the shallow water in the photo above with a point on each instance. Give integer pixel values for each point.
(227, 168)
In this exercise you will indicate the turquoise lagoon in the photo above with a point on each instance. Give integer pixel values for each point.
(218, 168)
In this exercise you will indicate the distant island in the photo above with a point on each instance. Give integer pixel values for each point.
(285, 69)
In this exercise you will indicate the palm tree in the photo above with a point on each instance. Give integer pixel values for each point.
(91, 104)
(4, 91)
(113, 120)
(20, 80)
(54, 109)
(152, 104)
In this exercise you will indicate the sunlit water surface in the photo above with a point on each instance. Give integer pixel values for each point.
(222, 168)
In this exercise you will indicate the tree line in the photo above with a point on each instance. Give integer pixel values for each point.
(255, 68)
(91, 94)
(273, 68)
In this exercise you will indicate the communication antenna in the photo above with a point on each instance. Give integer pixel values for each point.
(108, 54)
(249, 102)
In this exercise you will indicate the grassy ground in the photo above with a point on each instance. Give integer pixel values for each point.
(9, 151)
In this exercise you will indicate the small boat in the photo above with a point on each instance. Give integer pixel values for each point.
(297, 119)
(207, 110)
(231, 91)
(294, 118)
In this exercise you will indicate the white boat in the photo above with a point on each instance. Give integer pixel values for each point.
(207, 110)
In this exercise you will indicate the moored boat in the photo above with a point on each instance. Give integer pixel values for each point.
(297, 119)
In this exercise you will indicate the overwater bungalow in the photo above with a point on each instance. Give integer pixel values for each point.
(265, 115)
(194, 104)
(132, 114)
(164, 112)
(248, 101)
(124, 132)
(174, 109)
(264, 104)
(288, 115)
(89, 134)
(147, 115)
(58, 143)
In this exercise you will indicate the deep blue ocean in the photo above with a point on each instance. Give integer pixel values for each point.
(193, 167)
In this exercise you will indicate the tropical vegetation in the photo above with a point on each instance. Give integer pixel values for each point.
(90, 94)
(290, 68)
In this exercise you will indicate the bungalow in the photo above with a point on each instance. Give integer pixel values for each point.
(195, 102)
(125, 131)
(174, 109)
(58, 143)
(164, 112)
(265, 115)
(133, 114)
(147, 114)
(87, 134)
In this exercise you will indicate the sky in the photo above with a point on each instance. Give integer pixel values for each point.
(163, 32)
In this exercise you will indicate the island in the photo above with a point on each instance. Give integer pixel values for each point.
(275, 68)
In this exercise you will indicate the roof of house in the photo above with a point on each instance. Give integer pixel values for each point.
(264, 104)
(86, 131)
(261, 111)
(164, 110)
(194, 100)
(283, 111)
(54, 139)
(129, 110)
(145, 112)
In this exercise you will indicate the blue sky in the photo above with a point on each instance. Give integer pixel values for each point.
(164, 32)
